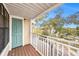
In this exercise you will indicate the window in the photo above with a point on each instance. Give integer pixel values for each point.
(4, 27)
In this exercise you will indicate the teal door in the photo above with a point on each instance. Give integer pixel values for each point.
(16, 32)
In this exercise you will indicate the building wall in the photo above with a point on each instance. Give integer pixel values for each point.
(26, 32)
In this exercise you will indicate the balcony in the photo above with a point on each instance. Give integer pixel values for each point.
(46, 46)
(52, 46)
(30, 44)
(42, 45)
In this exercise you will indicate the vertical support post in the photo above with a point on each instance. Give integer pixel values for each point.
(30, 31)
(10, 32)
(23, 32)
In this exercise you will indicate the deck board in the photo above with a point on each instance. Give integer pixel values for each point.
(27, 50)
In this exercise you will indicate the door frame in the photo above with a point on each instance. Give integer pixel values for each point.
(12, 16)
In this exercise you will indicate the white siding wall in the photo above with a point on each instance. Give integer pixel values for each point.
(26, 32)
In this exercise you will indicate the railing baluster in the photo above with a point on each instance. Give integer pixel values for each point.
(41, 44)
(50, 47)
(68, 51)
(53, 48)
(77, 52)
(36, 41)
(33, 42)
(57, 49)
(44, 46)
(62, 50)
(47, 47)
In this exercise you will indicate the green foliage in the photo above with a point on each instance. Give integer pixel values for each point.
(77, 31)
(74, 18)
(58, 22)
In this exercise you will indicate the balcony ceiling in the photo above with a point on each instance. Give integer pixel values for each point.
(28, 10)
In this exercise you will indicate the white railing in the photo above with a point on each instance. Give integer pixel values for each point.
(51, 46)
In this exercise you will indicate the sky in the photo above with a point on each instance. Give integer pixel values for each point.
(68, 9)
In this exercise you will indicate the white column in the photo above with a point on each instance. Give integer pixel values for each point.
(31, 31)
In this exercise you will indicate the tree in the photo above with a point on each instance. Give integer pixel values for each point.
(77, 31)
(57, 22)
(74, 18)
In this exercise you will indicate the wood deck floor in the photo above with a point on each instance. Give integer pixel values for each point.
(27, 50)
